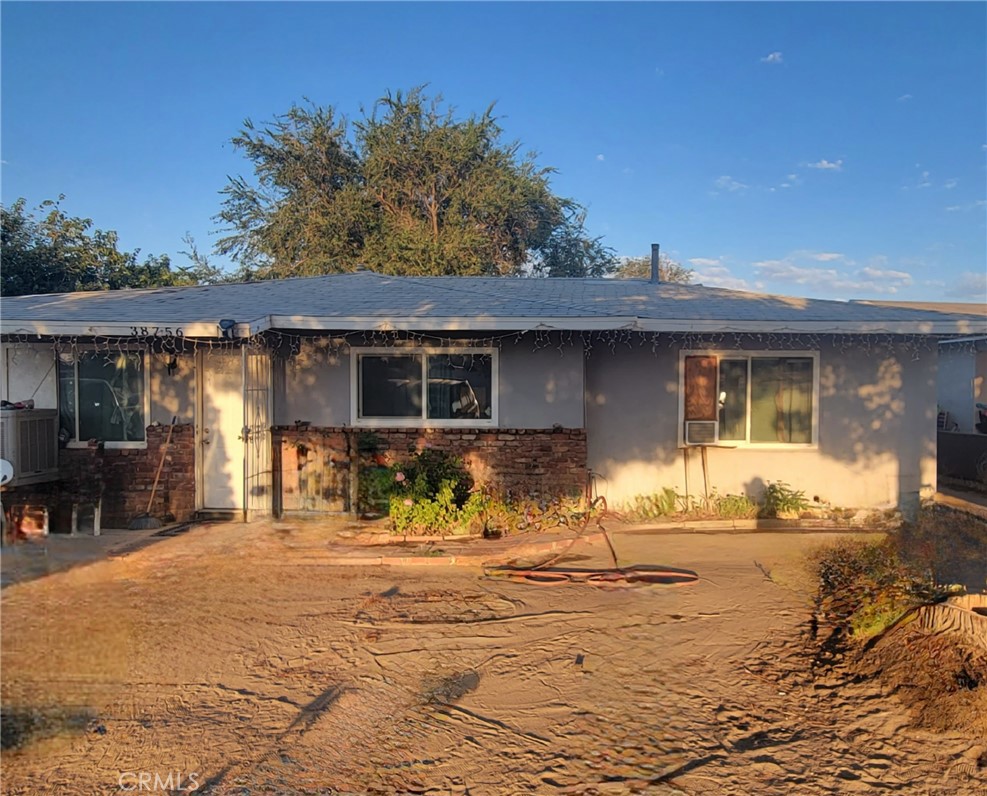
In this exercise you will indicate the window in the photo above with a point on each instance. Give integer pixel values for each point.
(756, 399)
(102, 396)
(425, 387)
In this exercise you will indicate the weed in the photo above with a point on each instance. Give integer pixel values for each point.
(780, 499)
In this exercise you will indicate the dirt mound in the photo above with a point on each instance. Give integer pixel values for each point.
(940, 679)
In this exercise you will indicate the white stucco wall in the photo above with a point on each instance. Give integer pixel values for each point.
(538, 388)
(877, 432)
(172, 394)
(27, 371)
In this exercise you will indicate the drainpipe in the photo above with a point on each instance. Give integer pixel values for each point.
(655, 262)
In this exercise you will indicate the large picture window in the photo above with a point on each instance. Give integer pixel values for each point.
(102, 397)
(756, 399)
(425, 387)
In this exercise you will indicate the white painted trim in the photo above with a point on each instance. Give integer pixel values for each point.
(422, 421)
(749, 354)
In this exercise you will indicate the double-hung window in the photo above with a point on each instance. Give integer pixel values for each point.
(754, 398)
(103, 396)
(434, 387)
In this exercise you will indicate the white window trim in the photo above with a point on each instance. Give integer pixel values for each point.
(109, 445)
(748, 355)
(423, 422)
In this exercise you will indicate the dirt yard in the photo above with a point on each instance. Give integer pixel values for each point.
(231, 660)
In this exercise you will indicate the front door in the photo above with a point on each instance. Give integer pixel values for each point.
(221, 448)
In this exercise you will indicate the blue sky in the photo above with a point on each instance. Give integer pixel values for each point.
(832, 150)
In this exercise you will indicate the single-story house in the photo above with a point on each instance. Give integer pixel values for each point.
(541, 385)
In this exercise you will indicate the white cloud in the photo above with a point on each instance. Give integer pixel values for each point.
(840, 275)
(827, 165)
(925, 180)
(772, 58)
(791, 180)
(700, 262)
(720, 276)
(904, 98)
(600, 157)
(950, 184)
(970, 285)
(967, 207)
(886, 274)
(728, 183)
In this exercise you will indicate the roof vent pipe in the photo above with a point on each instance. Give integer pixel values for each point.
(655, 264)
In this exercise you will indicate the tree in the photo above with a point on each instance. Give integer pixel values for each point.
(59, 254)
(668, 270)
(406, 189)
(569, 251)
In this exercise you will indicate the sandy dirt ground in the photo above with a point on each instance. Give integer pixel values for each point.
(233, 661)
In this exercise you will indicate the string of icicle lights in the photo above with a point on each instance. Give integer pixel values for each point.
(292, 345)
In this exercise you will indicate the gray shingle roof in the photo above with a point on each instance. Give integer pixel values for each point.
(365, 300)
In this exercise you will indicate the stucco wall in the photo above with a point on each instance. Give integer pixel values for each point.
(30, 370)
(877, 431)
(538, 389)
(27, 372)
(172, 394)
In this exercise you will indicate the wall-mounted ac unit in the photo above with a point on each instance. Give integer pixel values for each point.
(29, 441)
(702, 432)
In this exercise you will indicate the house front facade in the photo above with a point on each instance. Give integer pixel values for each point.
(259, 397)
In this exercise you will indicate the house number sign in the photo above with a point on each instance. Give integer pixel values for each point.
(157, 331)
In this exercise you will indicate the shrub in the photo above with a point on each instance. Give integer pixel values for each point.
(863, 587)
(374, 489)
(440, 514)
(432, 493)
(780, 498)
(430, 471)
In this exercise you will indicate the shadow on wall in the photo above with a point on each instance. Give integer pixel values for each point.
(876, 430)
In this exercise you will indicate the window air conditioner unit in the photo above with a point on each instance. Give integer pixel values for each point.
(29, 441)
(702, 432)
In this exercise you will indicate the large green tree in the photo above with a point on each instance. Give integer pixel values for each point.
(406, 189)
(56, 253)
(668, 269)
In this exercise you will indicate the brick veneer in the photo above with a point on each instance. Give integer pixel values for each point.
(314, 462)
(124, 477)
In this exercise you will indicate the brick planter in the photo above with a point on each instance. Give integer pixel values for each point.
(314, 463)
(123, 478)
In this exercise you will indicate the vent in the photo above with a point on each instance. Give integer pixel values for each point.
(29, 441)
(701, 432)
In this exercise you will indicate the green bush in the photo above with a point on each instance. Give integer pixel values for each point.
(430, 471)
(432, 494)
(375, 486)
(780, 498)
(438, 515)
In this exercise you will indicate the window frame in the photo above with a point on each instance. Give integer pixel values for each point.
(109, 444)
(748, 356)
(423, 421)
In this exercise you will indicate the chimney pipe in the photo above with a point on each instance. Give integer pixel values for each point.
(655, 262)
